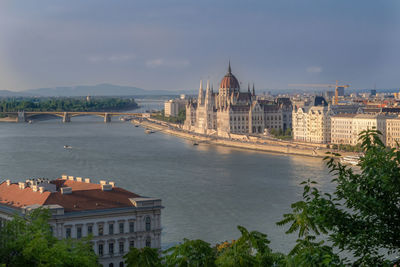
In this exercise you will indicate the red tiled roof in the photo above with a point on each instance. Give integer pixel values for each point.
(13, 196)
(84, 196)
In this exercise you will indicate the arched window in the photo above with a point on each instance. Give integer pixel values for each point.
(121, 264)
(111, 265)
(148, 224)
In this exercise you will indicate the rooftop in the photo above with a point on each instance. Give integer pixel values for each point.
(73, 194)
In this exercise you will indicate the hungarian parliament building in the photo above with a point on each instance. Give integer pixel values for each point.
(231, 111)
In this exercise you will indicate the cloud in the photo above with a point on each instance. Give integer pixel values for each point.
(314, 69)
(112, 58)
(160, 62)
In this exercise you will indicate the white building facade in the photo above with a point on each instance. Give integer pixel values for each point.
(311, 123)
(115, 218)
(346, 128)
(172, 107)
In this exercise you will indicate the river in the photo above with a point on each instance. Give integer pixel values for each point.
(206, 190)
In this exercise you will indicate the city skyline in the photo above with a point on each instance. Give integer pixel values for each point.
(170, 46)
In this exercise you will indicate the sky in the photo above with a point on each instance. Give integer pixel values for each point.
(171, 45)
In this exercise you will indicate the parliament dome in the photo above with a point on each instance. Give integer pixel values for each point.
(229, 80)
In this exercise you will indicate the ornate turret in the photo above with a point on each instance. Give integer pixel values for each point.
(200, 99)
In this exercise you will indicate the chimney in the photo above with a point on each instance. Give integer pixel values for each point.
(87, 180)
(102, 182)
(71, 178)
(66, 190)
(79, 179)
(106, 187)
(41, 189)
(34, 188)
(64, 177)
(22, 185)
(8, 182)
(112, 184)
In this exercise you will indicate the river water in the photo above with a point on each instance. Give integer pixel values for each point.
(207, 190)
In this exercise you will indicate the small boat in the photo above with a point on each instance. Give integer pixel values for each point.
(136, 125)
(149, 131)
(67, 147)
(195, 143)
(30, 121)
(353, 160)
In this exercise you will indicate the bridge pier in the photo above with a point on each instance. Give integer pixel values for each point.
(66, 117)
(107, 117)
(21, 116)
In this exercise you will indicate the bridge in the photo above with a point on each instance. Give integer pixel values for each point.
(23, 116)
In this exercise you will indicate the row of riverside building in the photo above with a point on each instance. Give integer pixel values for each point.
(235, 111)
(322, 123)
(115, 218)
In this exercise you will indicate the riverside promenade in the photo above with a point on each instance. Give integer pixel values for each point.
(240, 141)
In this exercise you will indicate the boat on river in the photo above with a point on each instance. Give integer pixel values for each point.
(353, 160)
(67, 147)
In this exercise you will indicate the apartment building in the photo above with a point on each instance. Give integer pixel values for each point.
(311, 123)
(393, 132)
(346, 128)
(115, 218)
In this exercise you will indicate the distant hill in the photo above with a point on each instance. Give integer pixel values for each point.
(92, 90)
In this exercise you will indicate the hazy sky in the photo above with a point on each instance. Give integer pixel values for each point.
(171, 45)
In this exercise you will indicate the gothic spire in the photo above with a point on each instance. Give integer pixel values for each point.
(229, 67)
(254, 90)
(200, 98)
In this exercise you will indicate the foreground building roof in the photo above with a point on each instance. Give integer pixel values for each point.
(73, 194)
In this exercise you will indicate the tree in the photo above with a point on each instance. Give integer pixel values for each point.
(362, 216)
(251, 249)
(145, 257)
(190, 253)
(28, 241)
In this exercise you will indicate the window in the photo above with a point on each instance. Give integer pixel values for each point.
(121, 228)
(111, 265)
(79, 232)
(101, 249)
(148, 242)
(68, 233)
(131, 227)
(121, 247)
(100, 229)
(132, 244)
(148, 224)
(111, 248)
(111, 229)
(90, 229)
(121, 264)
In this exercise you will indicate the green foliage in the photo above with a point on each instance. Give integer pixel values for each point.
(145, 257)
(66, 104)
(362, 216)
(251, 249)
(313, 254)
(191, 253)
(28, 241)
(280, 134)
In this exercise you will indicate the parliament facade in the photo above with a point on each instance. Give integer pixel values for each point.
(231, 111)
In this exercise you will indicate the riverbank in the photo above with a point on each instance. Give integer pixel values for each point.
(240, 141)
(8, 119)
